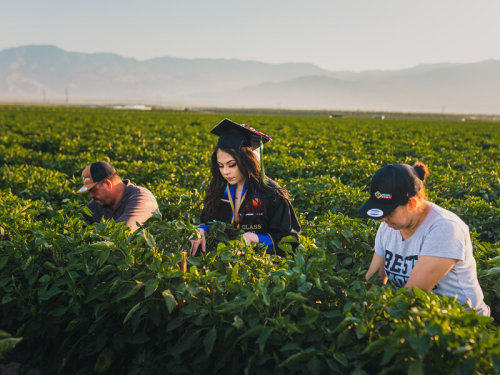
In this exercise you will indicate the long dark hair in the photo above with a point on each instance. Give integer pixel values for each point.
(249, 167)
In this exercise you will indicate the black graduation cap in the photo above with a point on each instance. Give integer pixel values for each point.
(234, 135)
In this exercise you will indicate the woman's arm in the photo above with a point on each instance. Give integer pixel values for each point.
(445, 243)
(377, 265)
(428, 271)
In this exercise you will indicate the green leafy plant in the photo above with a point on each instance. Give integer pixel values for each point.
(100, 299)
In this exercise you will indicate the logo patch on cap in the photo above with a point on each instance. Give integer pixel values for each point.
(85, 179)
(375, 212)
(379, 195)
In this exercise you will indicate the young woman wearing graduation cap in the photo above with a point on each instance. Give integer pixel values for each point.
(241, 195)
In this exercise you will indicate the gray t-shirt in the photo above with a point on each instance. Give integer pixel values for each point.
(137, 205)
(441, 234)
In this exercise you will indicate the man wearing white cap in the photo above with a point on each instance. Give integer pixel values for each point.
(114, 198)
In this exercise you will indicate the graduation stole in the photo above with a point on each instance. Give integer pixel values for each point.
(230, 192)
(263, 179)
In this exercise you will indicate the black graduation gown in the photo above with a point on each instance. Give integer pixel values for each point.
(266, 213)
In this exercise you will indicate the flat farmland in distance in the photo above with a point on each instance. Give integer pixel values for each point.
(97, 298)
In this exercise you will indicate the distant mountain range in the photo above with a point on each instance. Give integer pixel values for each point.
(50, 74)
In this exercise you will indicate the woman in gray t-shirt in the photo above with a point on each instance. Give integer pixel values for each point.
(419, 243)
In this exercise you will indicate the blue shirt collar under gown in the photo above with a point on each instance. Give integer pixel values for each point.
(232, 190)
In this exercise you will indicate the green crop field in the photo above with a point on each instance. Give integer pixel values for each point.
(98, 299)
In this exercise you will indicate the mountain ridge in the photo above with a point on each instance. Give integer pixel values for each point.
(45, 72)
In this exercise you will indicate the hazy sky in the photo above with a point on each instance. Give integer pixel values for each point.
(334, 34)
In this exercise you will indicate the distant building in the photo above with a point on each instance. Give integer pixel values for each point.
(334, 115)
(378, 117)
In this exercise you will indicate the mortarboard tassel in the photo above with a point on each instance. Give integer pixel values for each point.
(263, 179)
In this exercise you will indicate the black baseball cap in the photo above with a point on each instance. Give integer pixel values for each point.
(95, 173)
(234, 135)
(391, 186)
